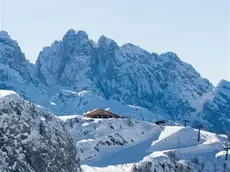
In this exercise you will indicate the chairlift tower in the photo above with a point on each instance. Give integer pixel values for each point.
(226, 148)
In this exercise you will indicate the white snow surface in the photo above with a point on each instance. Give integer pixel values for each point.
(174, 146)
(96, 138)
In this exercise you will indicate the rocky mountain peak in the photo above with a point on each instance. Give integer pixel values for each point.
(4, 35)
(105, 42)
(170, 57)
(12, 57)
(223, 92)
(113, 69)
(224, 83)
(82, 35)
(133, 49)
(73, 38)
(6, 40)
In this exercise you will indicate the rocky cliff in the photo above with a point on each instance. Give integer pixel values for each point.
(32, 139)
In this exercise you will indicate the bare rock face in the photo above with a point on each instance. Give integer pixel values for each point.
(33, 139)
(217, 108)
(13, 63)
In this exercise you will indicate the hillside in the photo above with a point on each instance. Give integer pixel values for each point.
(105, 146)
(33, 139)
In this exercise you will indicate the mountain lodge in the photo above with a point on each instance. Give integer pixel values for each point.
(101, 113)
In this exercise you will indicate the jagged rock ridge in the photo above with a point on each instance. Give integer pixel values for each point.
(217, 108)
(128, 74)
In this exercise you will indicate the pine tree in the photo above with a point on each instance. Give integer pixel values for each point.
(198, 125)
(71, 123)
(130, 123)
(41, 128)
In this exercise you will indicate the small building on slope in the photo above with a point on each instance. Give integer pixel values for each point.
(101, 113)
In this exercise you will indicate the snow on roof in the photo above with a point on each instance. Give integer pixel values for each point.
(65, 118)
(101, 112)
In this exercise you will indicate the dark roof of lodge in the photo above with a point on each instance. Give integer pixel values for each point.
(102, 112)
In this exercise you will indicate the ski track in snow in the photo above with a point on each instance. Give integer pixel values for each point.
(157, 148)
(130, 154)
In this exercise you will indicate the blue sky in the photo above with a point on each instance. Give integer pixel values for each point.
(197, 30)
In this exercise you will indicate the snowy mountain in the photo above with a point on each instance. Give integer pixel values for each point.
(32, 139)
(126, 145)
(75, 75)
(16, 73)
(127, 74)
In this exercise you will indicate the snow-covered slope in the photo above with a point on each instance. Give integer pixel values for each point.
(32, 139)
(68, 102)
(154, 148)
(180, 151)
(95, 138)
